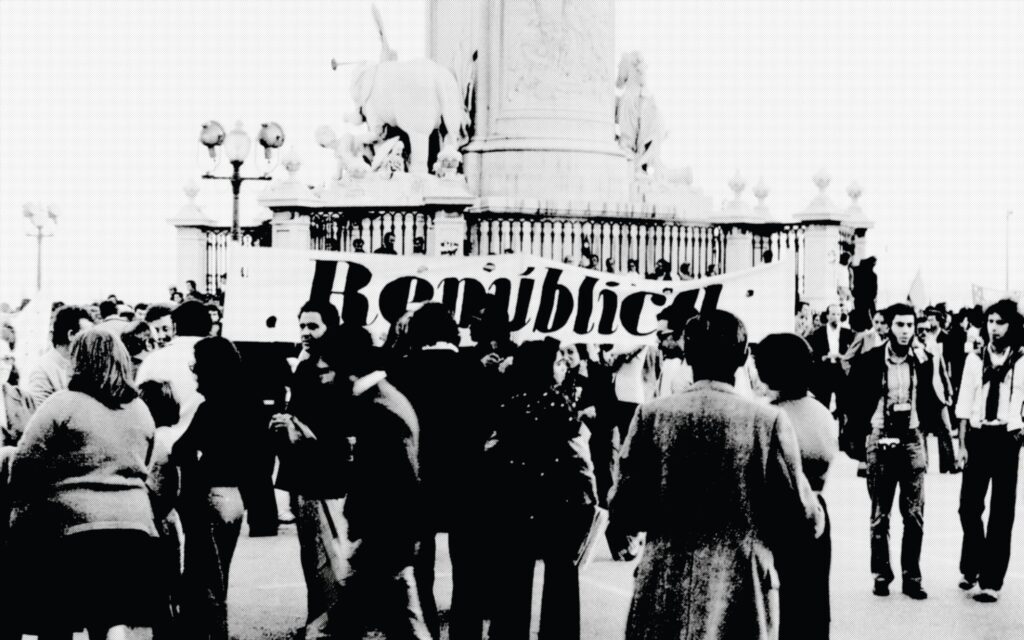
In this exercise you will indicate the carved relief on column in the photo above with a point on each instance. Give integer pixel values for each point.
(559, 56)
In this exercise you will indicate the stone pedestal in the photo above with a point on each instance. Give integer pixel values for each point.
(739, 250)
(544, 101)
(191, 247)
(821, 251)
(290, 230)
(447, 235)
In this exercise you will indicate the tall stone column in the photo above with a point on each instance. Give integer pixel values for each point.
(544, 101)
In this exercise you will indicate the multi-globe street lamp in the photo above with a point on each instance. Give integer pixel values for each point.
(236, 147)
(41, 222)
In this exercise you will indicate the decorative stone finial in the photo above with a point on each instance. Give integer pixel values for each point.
(854, 191)
(761, 192)
(737, 184)
(191, 190)
(822, 179)
(292, 162)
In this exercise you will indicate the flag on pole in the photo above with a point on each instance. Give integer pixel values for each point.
(918, 296)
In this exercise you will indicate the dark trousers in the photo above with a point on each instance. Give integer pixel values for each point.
(212, 521)
(804, 567)
(902, 466)
(423, 570)
(560, 602)
(830, 379)
(469, 595)
(382, 600)
(992, 458)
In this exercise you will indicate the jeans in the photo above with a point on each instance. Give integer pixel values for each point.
(993, 455)
(212, 521)
(903, 466)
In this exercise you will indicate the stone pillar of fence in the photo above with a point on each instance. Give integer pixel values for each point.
(290, 230)
(191, 224)
(446, 234)
(822, 220)
(290, 200)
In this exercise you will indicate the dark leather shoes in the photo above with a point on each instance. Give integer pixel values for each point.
(967, 583)
(915, 592)
(881, 588)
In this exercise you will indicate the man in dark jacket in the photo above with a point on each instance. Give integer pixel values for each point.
(384, 507)
(892, 402)
(445, 389)
(829, 343)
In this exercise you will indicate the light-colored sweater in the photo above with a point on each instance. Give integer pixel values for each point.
(817, 435)
(51, 374)
(82, 466)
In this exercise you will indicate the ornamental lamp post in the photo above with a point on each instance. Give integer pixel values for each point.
(236, 146)
(41, 223)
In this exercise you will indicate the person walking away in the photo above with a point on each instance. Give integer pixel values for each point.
(384, 506)
(444, 389)
(786, 363)
(714, 479)
(81, 522)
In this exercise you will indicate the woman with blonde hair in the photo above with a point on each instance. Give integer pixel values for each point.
(82, 526)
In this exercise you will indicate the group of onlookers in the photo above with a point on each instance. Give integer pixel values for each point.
(122, 469)
(119, 455)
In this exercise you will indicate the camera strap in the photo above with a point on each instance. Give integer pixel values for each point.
(911, 392)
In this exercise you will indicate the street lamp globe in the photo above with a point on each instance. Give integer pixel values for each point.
(237, 145)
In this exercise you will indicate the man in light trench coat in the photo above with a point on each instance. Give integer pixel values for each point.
(713, 478)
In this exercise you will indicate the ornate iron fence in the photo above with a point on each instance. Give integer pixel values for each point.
(218, 239)
(619, 240)
(364, 231)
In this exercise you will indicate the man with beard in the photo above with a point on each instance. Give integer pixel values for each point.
(989, 409)
(893, 402)
(314, 454)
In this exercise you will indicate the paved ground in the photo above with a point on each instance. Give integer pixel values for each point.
(267, 590)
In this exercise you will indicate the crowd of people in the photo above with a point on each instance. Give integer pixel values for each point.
(143, 438)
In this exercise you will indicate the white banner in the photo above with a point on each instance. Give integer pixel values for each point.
(266, 288)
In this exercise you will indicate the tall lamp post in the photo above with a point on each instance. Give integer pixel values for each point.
(42, 220)
(236, 146)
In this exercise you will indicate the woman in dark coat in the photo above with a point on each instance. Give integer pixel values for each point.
(544, 497)
(212, 454)
(785, 363)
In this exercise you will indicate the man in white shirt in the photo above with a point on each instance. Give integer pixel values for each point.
(53, 369)
(173, 363)
(989, 409)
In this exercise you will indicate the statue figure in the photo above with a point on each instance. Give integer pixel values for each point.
(389, 157)
(641, 130)
(416, 96)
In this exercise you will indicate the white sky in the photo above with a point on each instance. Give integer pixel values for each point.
(921, 102)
